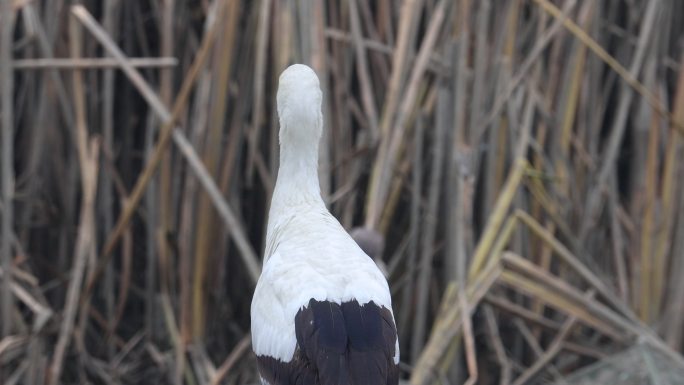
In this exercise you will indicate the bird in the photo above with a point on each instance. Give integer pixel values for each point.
(321, 313)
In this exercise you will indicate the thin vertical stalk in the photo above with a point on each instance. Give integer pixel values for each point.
(410, 12)
(317, 57)
(106, 199)
(88, 152)
(206, 216)
(647, 301)
(674, 171)
(595, 196)
(480, 67)
(259, 85)
(362, 71)
(6, 87)
(163, 210)
(413, 249)
(431, 220)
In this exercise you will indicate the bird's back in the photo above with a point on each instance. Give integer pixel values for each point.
(337, 325)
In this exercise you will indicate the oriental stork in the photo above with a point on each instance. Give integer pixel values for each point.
(322, 311)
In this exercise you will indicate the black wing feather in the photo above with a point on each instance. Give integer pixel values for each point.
(338, 344)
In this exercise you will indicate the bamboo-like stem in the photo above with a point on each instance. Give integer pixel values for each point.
(362, 69)
(106, 184)
(504, 362)
(498, 215)
(6, 160)
(430, 221)
(519, 311)
(161, 204)
(259, 84)
(670, 176)
(648, 299)
(206, 227)
(469, 340)
(414, 239)
(91, 63)
(88, 153)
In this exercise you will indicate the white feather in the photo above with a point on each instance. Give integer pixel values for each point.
(308, 254)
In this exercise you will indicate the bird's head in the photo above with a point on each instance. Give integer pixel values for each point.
(299, 105)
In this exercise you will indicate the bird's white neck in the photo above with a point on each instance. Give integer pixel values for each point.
(301, 124)
(297, 181)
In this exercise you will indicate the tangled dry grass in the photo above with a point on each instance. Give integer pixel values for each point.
(522, 160)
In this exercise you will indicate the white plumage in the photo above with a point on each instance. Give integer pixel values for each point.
(310, 256)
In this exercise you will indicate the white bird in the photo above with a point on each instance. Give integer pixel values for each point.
(322, 311)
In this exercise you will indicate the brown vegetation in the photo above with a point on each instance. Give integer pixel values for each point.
(522, 158)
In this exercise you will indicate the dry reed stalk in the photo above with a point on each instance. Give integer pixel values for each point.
(461, 139)
(469, 339)
(430, 222)
(595, 196)
(447, 326)
(7, 172)
(480, 63)
(169, 131)
(450, 109)
(568, 102)
(549, 354)
(43, 35)
(649, 299)
(205, 240)
(186, 246)
(675, 300)
(551, 204)
(662, 253)
(503, 59)
(590, 311)
(562, 297)
(91, 63)
(36, 304)
(521, 312)
(259, 84)
(575, 263)
(232, 359)
(572, 99)
(88, 154)
(618, 246)
(399, 126)
(364, 77)
(627, 75)
(164, 208)
(497, 217)
(493, 332)
(410, 10)
(503, 97)
(107, 200)
(414, 233)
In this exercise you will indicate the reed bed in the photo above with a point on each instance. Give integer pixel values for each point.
(521, 161)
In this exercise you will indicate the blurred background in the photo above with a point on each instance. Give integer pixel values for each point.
(516, 163)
